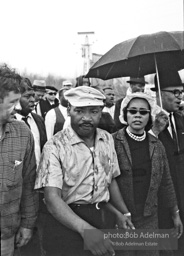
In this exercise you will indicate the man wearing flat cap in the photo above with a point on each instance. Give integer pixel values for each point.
(50, 101)
(77, 172)
(137, 84)
(172, 138)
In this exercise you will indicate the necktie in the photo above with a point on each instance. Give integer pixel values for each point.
(25, 120)
(174, 135)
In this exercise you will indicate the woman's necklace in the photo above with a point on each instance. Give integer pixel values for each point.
(134, 137)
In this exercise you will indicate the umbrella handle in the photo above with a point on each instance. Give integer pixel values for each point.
(159, 91)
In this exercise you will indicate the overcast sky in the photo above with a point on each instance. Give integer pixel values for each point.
(40, 36)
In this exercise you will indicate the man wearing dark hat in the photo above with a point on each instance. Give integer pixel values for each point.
(55, 118)
(49, 102)
(77, 171)
(172, 138)
(137, 84)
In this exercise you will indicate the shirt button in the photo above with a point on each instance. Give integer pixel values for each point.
(96, 187)
(96, 171)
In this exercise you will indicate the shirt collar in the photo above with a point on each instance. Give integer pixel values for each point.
(19, 116)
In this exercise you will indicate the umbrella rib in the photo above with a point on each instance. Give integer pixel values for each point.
(109, 70)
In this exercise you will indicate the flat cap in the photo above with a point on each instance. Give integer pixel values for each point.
(83, 96)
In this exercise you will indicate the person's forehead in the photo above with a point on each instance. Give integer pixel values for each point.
(87, 107)
(10, 97)
(29, 92)
(136, 101)
(137, 84)
(109, 91)
(39, 92)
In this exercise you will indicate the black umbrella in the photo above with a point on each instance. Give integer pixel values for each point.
(145, 54)
(137, 57)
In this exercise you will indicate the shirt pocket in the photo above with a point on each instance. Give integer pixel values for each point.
(14, 174)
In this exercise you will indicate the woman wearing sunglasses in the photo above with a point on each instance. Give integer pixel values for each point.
(145, 177)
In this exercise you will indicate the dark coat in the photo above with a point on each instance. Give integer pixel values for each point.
(107, 123)
(118, 124)
(160, 176)
(176, 159)
(41, 127)
(45, 106)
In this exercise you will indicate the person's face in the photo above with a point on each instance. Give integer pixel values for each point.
(170, 102)
(27, 102)
(84, 120)
(85, 81)
(7, 106)
(62, 99)
(109, 94)
(137, 121)
(51, 95)
(38, 95)
(136, 87)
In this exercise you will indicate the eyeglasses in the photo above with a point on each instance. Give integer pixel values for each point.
(141, 111)
(176, 92)
(52, 93)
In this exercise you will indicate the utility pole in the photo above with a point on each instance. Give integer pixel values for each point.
(86, 51)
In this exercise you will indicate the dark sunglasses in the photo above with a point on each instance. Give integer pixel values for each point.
(176, 92)
(141, 112)
(52, 93)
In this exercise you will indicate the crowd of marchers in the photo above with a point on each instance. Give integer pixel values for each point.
(74, 161)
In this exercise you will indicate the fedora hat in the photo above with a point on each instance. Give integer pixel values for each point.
(167, 78)
(49, 87)
(137, 80)
(39, 85)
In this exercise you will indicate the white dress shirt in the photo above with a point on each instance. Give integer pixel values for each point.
(35, 132)
(50, 120)
(110, 110)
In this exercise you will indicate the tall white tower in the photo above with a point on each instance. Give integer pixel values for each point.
(86, 51)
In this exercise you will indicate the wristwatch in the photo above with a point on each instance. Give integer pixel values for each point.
(128, 214)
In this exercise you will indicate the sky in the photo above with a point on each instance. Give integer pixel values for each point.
(41, 36)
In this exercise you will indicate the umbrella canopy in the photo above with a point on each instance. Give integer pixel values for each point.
(136, 57)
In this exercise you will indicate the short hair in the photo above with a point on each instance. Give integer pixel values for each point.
(150, 122)
(9, 81)
(24, 88)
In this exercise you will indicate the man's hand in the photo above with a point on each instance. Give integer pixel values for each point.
(124, 222)
(178, 226)
(23, 236)
(161, 121)
(97, 243)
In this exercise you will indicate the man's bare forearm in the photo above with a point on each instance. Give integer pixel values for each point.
(116, 198)
(62, 212)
